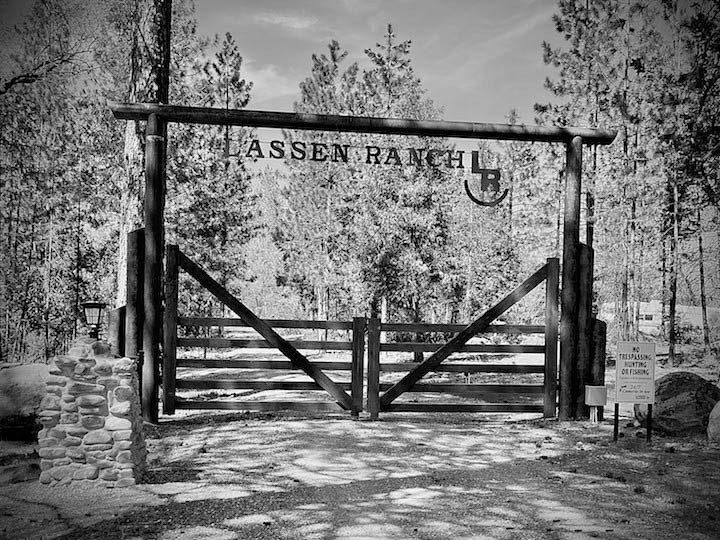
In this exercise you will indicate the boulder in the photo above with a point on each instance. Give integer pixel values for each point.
(713, 430)
(22, 389)
(683, 402)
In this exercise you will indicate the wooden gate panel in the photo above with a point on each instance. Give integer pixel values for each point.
(455, 344)
(266, 331)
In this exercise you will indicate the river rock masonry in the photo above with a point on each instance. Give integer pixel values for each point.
(91, 418)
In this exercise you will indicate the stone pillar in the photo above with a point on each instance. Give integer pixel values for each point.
(91, 417)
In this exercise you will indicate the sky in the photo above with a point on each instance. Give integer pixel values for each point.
(477, 58)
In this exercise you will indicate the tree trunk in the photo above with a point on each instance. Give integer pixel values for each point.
(632, 273)
(674, 261)
(383, 317)
(149, 83)
(663, 292)
(703, 297)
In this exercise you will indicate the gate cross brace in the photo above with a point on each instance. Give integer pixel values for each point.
(265, 330)
(455, 344)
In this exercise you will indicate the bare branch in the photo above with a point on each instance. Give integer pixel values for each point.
(41, 70)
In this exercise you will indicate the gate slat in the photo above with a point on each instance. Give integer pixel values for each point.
(225, 343)
(275, 323)
(262, 328)
(468, 368)
(234, 384)
(305, 406)
(462, 338)
(465, 407)
(479, 348)
(473, 388)
(256, 364)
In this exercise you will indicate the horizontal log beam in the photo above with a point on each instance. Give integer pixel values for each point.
(358, 124)
(256, 364)
(467, 368)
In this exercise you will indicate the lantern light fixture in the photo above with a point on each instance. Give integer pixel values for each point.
(93, 317)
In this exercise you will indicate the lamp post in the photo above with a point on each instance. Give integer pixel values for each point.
(93, 317)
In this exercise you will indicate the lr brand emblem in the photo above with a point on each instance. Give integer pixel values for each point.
(489, 181)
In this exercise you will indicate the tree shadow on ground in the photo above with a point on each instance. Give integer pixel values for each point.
(408, 476)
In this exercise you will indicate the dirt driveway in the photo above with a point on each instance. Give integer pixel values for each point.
(411, 476)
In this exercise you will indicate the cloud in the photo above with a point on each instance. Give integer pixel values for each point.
(293, 22)
(269, 84)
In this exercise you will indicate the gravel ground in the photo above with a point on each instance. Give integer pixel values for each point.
(407, 476)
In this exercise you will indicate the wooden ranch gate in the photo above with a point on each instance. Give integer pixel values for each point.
(575, 326)
(382, 397)
(352, 402)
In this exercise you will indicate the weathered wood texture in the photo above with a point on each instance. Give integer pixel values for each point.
(305, 406)
(206, 363)
(465, 407)
(134, 292)
(476, 390)
(359, 326)
(597, 371)
(469, 368)
(570, 273)
(551, 337)
(357, 124)
(152, 282)
(446, 328)
(116, 331)
(265, 330)
(373, 371)
(170, 329)
(583, 363)
(480, 348)
(226, 343)
(275, 323)
(236, 384)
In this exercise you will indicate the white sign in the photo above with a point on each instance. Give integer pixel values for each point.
(635, 378)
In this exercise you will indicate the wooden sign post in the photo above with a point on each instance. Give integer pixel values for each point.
(635, 378)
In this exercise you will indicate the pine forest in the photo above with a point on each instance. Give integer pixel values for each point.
(333, 240)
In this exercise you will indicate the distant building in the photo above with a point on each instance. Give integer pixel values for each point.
(651, 316)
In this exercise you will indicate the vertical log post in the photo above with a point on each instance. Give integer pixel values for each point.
(170, 330)
(570, 273)
(154, 187)
(373, 385)
(116, 331)
(358, 361)
(551, 337)
(597, 371)
(583, 374)
(134, 290)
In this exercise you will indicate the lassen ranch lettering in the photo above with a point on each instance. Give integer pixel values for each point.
(340, 153)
